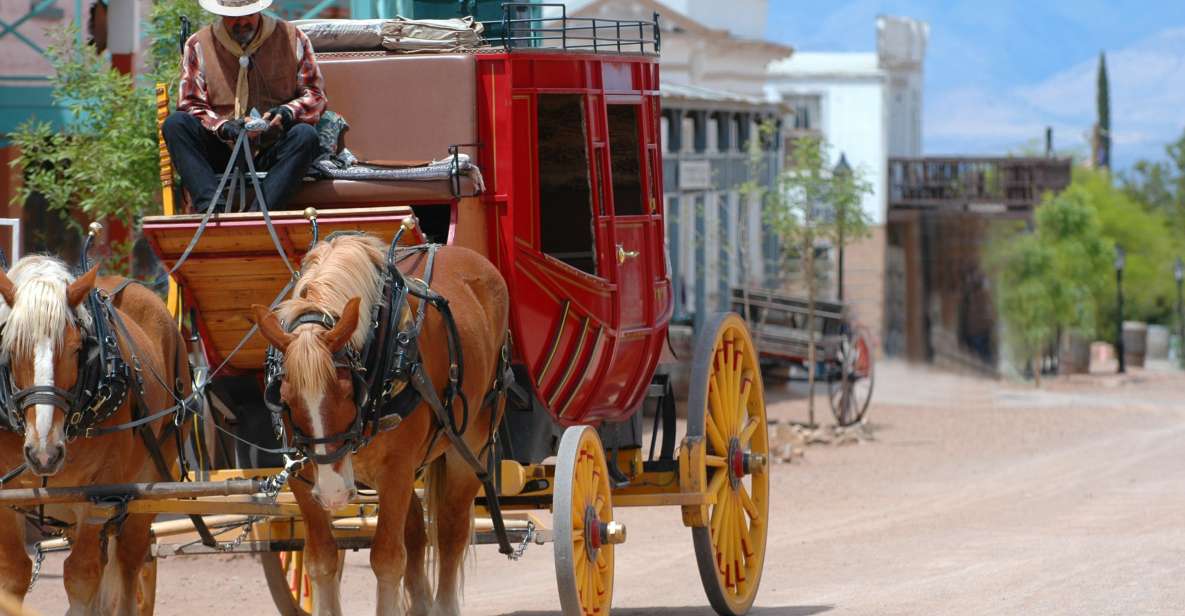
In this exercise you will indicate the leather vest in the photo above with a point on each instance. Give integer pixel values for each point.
(271, 77)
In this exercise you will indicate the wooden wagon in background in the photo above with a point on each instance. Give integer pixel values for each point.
(784, 333)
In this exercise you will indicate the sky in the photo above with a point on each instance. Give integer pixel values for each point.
(997, 72)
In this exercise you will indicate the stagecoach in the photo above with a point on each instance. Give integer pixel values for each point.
(540, 150)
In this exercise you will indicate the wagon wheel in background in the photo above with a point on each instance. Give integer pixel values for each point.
(851, 392)
(726, 413)
(585, 532)
(289, 583)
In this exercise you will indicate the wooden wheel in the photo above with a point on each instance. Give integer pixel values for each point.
(289, 583)
(851, 392)
(146, 588)
(585, 532)
(726, 414)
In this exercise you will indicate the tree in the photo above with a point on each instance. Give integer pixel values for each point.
(1102, 153)
(811, 206)
(104, 162)
(1051, 281)
(1160, 185)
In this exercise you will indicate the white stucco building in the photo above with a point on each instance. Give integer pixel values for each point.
(868, 106)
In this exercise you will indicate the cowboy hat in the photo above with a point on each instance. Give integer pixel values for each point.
(234, 8)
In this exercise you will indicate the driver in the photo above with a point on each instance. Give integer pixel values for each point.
(244, 61)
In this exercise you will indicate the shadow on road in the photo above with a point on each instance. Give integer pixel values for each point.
(699, 610)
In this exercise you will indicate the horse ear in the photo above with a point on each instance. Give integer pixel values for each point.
(80, 288)
(341, 333)
(7, 289)
(269, 326)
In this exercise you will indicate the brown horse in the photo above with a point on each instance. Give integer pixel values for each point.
(341, 278)
(46, 319)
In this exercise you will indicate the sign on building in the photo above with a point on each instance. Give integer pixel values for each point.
(695, 175)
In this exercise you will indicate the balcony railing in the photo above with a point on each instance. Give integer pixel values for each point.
(983, 184)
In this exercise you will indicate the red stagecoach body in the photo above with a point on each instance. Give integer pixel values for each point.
(571, 213)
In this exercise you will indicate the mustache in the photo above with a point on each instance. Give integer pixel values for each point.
(242, 33)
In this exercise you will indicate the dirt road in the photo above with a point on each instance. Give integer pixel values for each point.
(974, 497)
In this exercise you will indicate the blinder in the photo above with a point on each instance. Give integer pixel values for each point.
(101, 388)
(382, 398)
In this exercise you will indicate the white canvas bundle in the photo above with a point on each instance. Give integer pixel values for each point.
(396, 34)
(343, 34)
(401, 34)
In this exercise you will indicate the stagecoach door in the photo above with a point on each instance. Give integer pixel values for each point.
(588, 274)
(634, 242)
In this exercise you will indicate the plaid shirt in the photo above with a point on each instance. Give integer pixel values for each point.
(194, 99)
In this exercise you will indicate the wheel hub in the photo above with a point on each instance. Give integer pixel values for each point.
(737, 463)
(594, 534)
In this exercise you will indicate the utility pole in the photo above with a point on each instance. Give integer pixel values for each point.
(1120, 261)
(1179, 275)
(842, 170)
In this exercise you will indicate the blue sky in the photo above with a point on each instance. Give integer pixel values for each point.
(997, 72)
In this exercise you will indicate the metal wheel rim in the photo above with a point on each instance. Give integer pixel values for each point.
(738, 523)
(279, 572)
(582, 480)
(851, 394)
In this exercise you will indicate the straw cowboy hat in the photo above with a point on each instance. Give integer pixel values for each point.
(234, 8)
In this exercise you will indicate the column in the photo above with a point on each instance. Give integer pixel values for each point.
(123, 33)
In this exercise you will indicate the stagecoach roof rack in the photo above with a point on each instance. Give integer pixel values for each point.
(532, 26)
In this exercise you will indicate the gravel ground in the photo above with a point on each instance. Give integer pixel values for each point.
(973, 496)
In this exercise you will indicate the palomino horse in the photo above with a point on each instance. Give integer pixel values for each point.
(330, 314)
(48, 342)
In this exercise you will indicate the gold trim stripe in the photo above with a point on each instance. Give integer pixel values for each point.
(555, 342)
(575, 356)
(562, 408)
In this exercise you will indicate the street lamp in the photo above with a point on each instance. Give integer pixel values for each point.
(1179, 275)
(842, 170)
(1120, 261)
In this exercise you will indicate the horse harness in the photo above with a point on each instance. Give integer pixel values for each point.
(390, 380)
(103, 386)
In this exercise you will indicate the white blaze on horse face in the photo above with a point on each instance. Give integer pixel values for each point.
(43, 375)
(334, 487)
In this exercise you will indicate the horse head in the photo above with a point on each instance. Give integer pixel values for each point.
(318, 391)
(42, 340)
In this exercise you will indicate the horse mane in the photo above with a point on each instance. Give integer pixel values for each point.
(331, 274)
(40, 310)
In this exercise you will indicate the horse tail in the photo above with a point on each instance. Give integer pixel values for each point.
(436, 495)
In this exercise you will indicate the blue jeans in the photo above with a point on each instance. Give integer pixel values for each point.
(199, 156)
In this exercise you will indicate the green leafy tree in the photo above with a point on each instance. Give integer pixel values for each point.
(1160, 184)
(1060, 277)
(1151, 242)
(812, 206)
(1050, 282)
(104, 162)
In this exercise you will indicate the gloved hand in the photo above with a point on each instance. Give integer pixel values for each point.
(284, 116)
(229, 131)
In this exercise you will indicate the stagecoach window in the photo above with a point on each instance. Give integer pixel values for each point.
(565, 199)
(627, 163)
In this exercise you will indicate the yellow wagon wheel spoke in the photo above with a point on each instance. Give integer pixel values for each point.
(585, 532)
(726, 412)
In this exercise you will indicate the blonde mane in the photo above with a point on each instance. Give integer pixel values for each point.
(332, 273)
(40, 310)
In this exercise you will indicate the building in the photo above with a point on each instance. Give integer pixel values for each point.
(113, 26)
(942, 210)
(868, 107)
(713, 106)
